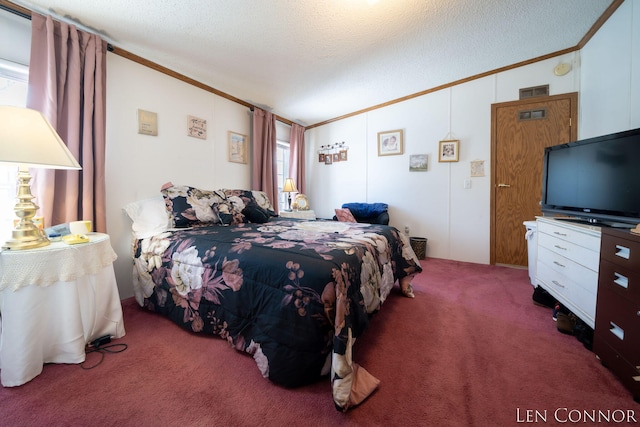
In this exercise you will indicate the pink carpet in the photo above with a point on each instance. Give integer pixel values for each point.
(470, 350)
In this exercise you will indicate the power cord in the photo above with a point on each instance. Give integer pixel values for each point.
(102, 346)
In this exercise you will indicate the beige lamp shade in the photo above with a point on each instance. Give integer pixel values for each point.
(289, 186)
(27, 139)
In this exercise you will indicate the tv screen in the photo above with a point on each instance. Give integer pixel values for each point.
(596, 180)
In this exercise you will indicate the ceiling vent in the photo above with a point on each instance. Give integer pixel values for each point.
(533, 92)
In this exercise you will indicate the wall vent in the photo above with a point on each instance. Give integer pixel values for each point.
(537, 114)
(533, 92)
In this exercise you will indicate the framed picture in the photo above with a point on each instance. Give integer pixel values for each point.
(418, 162)
(448, 151)
(390, 143)
(196, 127)
(237, 147)
(147, 123)
(477, 168)
(343, 155)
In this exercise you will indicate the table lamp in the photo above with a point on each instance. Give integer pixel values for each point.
(289, 187)
(28, 140)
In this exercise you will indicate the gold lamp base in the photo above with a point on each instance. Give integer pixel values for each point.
(26, 235)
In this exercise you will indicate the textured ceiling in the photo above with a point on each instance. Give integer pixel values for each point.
(314, 60)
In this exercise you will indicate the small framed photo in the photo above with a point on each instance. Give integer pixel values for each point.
(343, 155)
(147, 123)
(237, 147)
(418, 162)
(390, 143)
(196, 127)
(477, 168)
(448, 151)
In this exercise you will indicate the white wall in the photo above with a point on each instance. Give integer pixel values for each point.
(610, 85)
(138, 165)
(433, 204)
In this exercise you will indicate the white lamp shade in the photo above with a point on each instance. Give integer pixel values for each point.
(27, 138)
(289, 186)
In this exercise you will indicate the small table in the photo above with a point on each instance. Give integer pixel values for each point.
(309, 214)
(53, 301)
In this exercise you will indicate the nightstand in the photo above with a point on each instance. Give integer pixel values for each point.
(53, 301)
(309, 215)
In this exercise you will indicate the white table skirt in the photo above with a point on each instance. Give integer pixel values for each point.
(52, 323)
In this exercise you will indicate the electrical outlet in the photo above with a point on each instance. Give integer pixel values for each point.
(406, 230)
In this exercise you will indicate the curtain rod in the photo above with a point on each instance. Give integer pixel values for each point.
(15, 9)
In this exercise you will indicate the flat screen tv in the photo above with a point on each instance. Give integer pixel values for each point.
(595, 180)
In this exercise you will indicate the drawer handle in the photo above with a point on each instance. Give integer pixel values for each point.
(558, 264)
(622, 251)
(555, 282)
(559, 247)
(616, 330)
(560, 234)
(621, 280)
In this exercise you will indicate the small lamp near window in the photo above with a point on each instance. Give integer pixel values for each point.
(289, 187)
(28, 140)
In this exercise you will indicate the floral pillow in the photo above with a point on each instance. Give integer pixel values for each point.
(189, 206)
(244, 198)
(345, 215)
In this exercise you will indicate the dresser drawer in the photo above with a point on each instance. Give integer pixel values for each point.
(618, 323)
(582, 276)
(578, 298)
(581, 236)
(620, 250)
(624, 370)
(620, 279)
(580, 254)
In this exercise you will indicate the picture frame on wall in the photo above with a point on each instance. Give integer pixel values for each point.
(418, 162)
(448, 150)
(328, 159)
(237, 147)
(390, 143)
(196, 127)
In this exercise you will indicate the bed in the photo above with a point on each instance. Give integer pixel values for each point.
(294, 294)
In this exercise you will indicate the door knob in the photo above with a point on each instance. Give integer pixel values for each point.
(504, 185)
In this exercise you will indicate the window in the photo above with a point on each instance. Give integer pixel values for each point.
(282, 159)
(13, 91)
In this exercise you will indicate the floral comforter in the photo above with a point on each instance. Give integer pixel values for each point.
(294, 294)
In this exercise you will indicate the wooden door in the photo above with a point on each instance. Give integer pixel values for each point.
(520, 130)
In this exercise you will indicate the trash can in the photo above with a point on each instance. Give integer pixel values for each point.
(531, 235)
(419, 246)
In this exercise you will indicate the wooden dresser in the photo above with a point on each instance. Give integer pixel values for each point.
(617, 331)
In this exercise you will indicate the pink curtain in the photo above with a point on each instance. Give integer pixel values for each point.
(263, 155)
(67, 83)
(296, 157)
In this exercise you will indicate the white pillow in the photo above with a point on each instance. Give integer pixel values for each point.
(149, 216)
